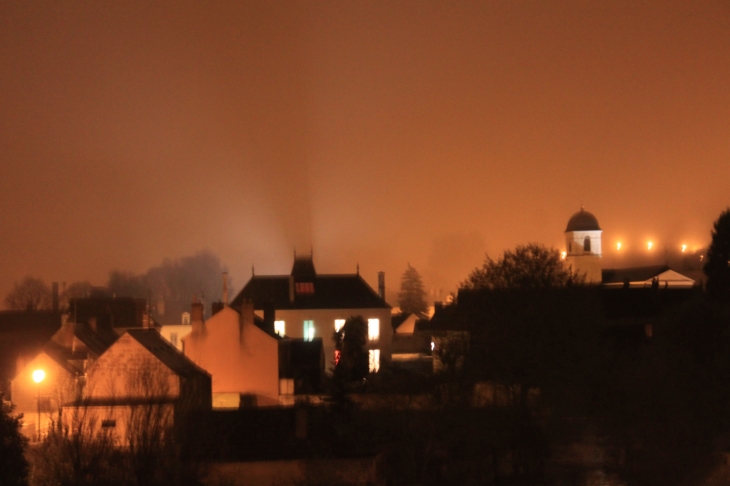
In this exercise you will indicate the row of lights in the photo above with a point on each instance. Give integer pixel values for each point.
(649, 246)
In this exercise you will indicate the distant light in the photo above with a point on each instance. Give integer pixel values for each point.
(433, 345)
(649, 245)
(39, 375)
(618, 245)
(562, 256)
(684, 247)
(702, 257)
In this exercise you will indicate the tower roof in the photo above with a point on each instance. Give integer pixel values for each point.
(583, 221)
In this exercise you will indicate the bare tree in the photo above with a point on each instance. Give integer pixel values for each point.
(31, 293)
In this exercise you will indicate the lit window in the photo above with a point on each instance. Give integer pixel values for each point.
(308, 330)
(338, 324)
(338, 355)
(279, 328)
(286, 386)
(304, 288)
(373, 329)
(186, 318)
(374, 360)
(173, 338)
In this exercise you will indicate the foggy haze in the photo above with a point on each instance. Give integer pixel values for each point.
(371, 133)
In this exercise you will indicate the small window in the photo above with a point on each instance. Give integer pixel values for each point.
(374, 360)
(338, 355)
(186, 318)
(304, 288)
(373, 329)
(286, 386)
(338, 324)
(108, 424)
(587, 244)
(308, 330)
(173, 338)
(279, 328)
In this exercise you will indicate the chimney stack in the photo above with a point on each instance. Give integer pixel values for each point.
(381, 285)
(54, 287)
(247, 317)
(225, 288)
(291, 288)
(196, 317)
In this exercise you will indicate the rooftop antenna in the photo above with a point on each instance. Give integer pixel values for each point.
(358, 268)
(225, 288)
(252, 270)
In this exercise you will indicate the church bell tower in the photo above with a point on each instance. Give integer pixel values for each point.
(583, 246)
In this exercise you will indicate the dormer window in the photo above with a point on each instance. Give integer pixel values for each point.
(304, 288)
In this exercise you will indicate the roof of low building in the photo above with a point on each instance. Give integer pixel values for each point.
(641, 274)
(582, 221)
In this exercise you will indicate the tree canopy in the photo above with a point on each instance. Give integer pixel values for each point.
(717, 267)
(412, 296)
(31, 293)
(528, 267)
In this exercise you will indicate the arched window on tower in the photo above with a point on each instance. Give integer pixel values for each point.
(587, 244)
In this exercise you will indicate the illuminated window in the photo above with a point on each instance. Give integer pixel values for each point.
(286, 386)
(373, 329)
(186, 318)
(173, 338)
(338, 354)
(308, 330)
(279, 328)
(304, 288)
(374, 360)
(338, 324)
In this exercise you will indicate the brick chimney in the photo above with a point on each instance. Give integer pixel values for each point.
(246, 319)
(196, 317)
(381, 285)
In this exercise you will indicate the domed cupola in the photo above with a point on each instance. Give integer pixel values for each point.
(583, 245)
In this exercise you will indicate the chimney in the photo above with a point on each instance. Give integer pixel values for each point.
(146, 320)
(54, 287)
(269, 316)
(196, 317)
(381, 285)
(291, 288)
(92, 323)
(225, 288)
(247, 318)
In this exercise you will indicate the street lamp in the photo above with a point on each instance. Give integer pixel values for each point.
(38, 377)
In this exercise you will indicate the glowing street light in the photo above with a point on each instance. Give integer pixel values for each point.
(649, 245)
(618, 245)
(684, 247)
(563, 255)
(38, 377)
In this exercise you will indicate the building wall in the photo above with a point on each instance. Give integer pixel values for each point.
(57, 388)
(175, 333)
(241, 358)
(127, 369)
(324, 325)
(574, 241)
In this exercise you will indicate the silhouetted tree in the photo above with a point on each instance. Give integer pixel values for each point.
(351, 341)
(531, 266)
(412, 296)
(717, 267)
(13, 466)
(31, 293)
(75, 290)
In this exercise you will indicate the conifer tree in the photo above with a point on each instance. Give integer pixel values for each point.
(717, 267)
(412, 296)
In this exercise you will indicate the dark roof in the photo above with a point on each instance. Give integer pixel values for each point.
(96, 341)
(296, 354)
(635, 274)
(583, 221)
(168, 354)
(398, 319)
(23, 333)
(344, 291)
(444, 319)
(113, 312)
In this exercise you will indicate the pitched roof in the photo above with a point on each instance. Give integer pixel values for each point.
(168, 354)
(340, 291)
(643, 274)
